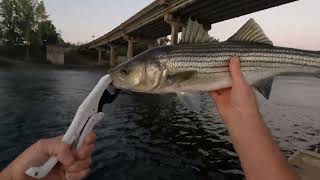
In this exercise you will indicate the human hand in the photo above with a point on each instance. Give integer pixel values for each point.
(73, 164)
(249, 135)
(236, 102)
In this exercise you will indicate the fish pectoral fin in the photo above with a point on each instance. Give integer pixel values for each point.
(264, 87)
(251, 32)
(182, 76)
(191, 100)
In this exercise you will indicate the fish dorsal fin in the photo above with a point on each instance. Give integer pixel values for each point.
(195, 33)
(251, 32)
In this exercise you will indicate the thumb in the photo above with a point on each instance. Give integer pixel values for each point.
(235, 70)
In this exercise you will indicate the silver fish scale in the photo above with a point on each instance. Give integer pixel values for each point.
(214, 58)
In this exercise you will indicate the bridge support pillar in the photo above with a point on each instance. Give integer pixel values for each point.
(113, 55)
(131, 40)
(176, 25)
(99, 55)
(174, 34)
(130, 49)
(107, 52)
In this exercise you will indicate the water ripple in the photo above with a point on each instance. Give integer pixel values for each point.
(141, 137)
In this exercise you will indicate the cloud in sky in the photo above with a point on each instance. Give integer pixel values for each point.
(292, 25)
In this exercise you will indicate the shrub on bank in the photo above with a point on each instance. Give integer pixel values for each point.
(37, 54)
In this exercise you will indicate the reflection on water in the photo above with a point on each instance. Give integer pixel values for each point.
(141, 137)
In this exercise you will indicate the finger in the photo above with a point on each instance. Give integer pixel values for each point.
(77, 175)
(221, 91)
(216, 97)
(85, 151)
(213, 93)
(90, 138)
(235, 70)
(49, 147)
(65, 155)
(80, 165)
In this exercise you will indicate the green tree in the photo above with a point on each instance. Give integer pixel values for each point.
(1, 31)
(1, 26)
(46, 34)
(21, 19)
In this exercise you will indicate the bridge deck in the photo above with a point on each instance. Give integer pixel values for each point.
(149, 22)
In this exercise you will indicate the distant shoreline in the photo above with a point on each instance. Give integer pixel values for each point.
(13, 63)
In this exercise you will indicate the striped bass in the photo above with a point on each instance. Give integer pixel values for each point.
(200, 63)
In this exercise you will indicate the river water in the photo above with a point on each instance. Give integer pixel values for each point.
(141, 137)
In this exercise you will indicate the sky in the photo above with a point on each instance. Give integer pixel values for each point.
(294, 25)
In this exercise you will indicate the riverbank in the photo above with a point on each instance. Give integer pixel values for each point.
(16, 63)
(4, 61)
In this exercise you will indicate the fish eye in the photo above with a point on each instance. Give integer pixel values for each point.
(124, 71)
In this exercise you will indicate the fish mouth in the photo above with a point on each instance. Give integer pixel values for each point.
(115, 80)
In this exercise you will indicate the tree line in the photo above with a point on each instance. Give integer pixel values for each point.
(25, 23)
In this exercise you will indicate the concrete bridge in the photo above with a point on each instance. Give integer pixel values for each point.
(167, 17)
